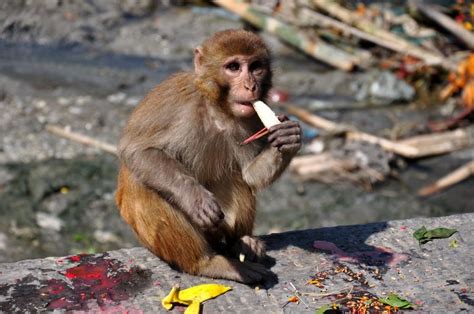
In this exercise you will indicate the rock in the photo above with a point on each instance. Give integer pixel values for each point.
(3, 241)
(137, 7)
(48, 221)
(382, 88)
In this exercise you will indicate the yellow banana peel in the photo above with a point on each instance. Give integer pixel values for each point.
(193, 296)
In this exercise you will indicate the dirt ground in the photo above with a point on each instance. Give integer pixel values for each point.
(86, 64)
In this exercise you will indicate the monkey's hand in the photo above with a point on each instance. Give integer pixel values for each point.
(250, 249)
(285, 141)
(204, 210)
(286, 136)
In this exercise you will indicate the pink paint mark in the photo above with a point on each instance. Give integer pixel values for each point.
(380, 255)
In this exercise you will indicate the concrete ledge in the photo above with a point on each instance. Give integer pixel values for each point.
(436, 277)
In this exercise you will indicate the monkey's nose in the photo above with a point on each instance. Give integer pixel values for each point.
(252, 87)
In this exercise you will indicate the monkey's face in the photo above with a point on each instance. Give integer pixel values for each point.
(245, 76)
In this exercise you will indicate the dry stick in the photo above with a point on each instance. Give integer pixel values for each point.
(439, 143)
(454, 177)
(321, 123)
(83, 139)
(446, 22)
(352, 18)
(316, 48)
(306, 160)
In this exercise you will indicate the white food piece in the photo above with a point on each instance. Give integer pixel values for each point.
(241, 257)
(265, 114)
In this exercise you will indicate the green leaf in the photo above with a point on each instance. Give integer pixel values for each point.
(440, 233)
(323, 309)
(326, 309)
(419, 234)
(395, 300)
(424, 235)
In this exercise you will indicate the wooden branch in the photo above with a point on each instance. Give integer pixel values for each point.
(441, 143)
(351, 133)
(312, 119)
(391, 146)
(306, 160)
(452, 178)
(349, 17)
(413, 147)
(316, 48)
(79, 138)
(446, 22)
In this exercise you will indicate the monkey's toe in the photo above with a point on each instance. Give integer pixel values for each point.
(249, 249)
(251, 273)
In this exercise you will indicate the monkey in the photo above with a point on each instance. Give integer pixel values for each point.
(186, 185)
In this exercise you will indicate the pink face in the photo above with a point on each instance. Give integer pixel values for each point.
(245, 75)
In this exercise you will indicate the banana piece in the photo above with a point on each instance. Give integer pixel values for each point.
(265, 114)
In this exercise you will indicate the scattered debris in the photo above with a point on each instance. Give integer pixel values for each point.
(430, 11)
(314, 47)
(413, 55)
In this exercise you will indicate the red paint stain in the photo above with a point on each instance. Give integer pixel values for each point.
(378, 256)
(108, 282)
(75, 258)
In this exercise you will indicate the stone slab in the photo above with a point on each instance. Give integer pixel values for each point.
(383, 257)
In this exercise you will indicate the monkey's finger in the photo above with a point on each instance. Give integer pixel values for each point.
(283, 133)
(208, 220)
(289, 148)
(249, 253)
(283, 117)
(285, 140)
(284, 125)
(213, 220)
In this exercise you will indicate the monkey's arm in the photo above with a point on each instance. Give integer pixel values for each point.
(285, 141)
(156, 169)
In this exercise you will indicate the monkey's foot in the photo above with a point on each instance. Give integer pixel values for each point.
(249, 249)
(220, 266)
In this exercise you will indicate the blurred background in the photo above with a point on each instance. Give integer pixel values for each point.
(384, 89)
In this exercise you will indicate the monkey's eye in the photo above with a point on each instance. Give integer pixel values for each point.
(256, 66)
(233, 66)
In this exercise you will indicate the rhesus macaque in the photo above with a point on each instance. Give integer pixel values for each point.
(186, 185)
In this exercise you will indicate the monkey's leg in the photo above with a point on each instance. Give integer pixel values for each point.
(167, 233)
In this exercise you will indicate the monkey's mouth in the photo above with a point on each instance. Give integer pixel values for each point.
(245, 108)
(245, 103)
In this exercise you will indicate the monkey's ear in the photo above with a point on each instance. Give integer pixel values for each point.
(198, 67)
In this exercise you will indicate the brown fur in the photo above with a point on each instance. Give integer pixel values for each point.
(185, 184)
